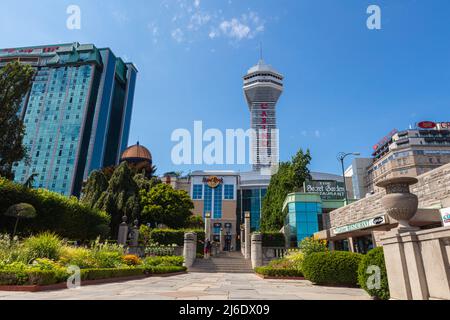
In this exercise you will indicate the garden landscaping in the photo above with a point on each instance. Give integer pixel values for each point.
(46, 262)
(314, 262)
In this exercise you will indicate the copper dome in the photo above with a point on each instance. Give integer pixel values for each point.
(136, 152)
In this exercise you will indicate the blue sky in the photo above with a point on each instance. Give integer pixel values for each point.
(345, 86)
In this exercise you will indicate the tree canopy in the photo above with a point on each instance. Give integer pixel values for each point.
(289, 178)
(15, 82)
(165, 205)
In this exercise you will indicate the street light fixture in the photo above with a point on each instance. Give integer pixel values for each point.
(341, 157)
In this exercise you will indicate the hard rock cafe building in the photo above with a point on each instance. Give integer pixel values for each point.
(215, 193)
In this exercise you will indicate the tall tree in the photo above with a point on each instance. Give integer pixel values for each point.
(15, 82)
(289, 178)
(164, 205)
(121, 198)
(94, 187)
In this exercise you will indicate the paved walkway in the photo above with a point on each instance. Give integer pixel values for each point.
(199, 286)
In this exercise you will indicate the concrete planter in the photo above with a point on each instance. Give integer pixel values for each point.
(399, 202)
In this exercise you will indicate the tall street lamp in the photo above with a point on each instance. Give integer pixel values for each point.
(341, 157)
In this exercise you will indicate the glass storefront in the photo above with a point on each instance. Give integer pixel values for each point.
(363, 244)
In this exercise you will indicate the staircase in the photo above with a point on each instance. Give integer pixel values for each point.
(225, 262)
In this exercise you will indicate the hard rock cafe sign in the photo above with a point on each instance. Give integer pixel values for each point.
(213, 181)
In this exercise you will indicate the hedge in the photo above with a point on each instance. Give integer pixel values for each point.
(164, 269)
(99, 274)
(332, 268)
(276, 272)
(46, 277)
(35, 277)
(171, 236)
(62, 215)
(375, 258)
(273, 239)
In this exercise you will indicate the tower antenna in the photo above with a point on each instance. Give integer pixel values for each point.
(260, 51)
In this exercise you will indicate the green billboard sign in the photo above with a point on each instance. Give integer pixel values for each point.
(328, 190)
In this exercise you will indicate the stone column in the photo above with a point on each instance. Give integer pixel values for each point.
(123, 232)
(351, 245)
(242, 238)
(190, 249)
(247, 236)
(257, 256)
(208, 227)
(222, 240)
(134, 234)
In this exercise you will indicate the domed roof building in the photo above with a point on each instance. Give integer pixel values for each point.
(138, 157)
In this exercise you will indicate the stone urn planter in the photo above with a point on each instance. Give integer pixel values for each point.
(399, 202)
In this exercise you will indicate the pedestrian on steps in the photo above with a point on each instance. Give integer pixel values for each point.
(207, 249)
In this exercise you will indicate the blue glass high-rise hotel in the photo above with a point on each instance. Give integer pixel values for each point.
(77, 113)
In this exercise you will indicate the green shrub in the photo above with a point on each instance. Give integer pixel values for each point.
(310, 245)
(81, 257)
(29, 277)
(45, 245)
(107, 255)
(164, 269)
(332, 268)
(170, 237)
(43, 272)
(65, 216)
(11, 250)
(270, 271)
(109, 273)
(163, 261)
(273, 239)
(375, 257)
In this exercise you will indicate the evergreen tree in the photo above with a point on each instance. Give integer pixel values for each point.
(289, 178)
(121, 197)
(15, 82)
(96, 184)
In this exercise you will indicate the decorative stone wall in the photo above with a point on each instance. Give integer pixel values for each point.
(432, 189)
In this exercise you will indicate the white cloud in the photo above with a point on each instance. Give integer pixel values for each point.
(199, 19)
(190, 22)
(178, 35)
(235, 29)
(247, 27)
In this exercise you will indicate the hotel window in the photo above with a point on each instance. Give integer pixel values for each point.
(208, 200)
(218, 193)
(229, 192)
(197, 193)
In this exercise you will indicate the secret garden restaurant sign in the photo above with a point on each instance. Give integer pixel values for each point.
(364, 224)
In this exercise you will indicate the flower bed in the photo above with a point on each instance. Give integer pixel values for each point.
(43, 261)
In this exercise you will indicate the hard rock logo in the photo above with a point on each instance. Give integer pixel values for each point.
(213, 182)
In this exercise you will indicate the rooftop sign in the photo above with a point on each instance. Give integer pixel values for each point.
(385, 140)
(434, 125)
(33, 50)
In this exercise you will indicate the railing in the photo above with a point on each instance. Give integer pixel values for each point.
(143, 251)
(273, 253)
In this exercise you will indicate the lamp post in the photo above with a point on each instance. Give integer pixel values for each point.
(341, 157)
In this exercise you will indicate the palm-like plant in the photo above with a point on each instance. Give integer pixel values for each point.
(20, 211)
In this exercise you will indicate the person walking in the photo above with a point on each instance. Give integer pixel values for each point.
(207, 249)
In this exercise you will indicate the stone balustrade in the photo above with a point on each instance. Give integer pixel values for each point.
(417, 264)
